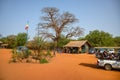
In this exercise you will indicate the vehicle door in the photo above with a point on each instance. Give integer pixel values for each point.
(116, 64)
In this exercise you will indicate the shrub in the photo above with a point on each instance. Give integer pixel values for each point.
(14, 56)
(19, 56)
(44, 60)
(26, 53)
(25, 56)
(48, 53)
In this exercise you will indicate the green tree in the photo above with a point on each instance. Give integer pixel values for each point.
(81, 38)
(117, 41)
(100, 38)
(37, 44)
(21, 39)
(11, 40)
(4, 40)
(62, 41)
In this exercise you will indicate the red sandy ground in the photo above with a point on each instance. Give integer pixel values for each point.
(61, 67)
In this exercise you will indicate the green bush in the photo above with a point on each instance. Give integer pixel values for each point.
(25, 56)
(14, 55)
(44, 60)
(48, 53)
(19, 56)
(41, 54)
(26, 53)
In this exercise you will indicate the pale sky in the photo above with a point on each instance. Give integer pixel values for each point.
(92, 14)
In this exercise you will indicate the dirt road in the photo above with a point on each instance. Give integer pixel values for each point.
(61, 67)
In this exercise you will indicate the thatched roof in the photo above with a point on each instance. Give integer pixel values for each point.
(77, 43)
(4, 45)
(1, 42)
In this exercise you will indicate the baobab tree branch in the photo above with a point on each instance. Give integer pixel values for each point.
(74, 31)
(58, 24)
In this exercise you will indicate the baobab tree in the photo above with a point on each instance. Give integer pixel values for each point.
(54, 24)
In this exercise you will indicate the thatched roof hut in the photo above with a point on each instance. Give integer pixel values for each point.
(2, 45)
(78, 46)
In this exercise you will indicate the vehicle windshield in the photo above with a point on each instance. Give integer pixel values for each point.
(102, 50)
(21, 48)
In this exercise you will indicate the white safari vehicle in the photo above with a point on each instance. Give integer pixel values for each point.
(108, 64)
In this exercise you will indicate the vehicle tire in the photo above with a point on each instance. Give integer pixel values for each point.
(108, 67)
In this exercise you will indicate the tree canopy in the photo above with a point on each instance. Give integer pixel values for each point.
(117, 40)
(62, 41)
(15, 40)
(21, 39)
(54, 24)
(100, 38)
(11, 41)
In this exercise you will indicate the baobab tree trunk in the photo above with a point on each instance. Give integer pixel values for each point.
(55, 47)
